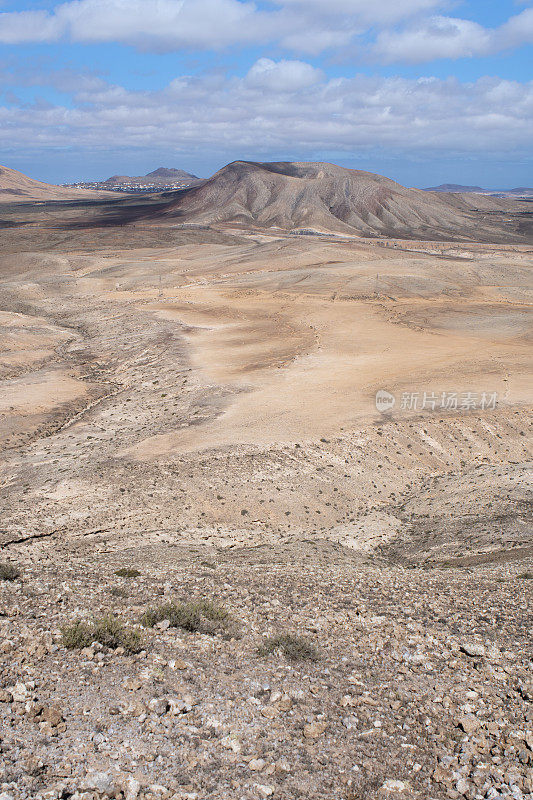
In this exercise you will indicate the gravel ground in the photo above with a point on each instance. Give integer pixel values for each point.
(420, 684)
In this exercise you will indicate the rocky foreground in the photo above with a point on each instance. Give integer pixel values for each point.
(396, 683)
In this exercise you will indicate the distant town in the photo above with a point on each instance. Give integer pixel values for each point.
(128, 187)
(160, 180)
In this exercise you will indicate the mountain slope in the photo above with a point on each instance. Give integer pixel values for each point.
(328, 198)
(15, 186)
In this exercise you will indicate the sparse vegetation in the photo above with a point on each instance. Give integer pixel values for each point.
(118, 591)
(9, 572)
(294, 648)
(201, 616)
(127, 572)
(108, 630)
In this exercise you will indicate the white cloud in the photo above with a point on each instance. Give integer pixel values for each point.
(283, 76)
(437, 37)
(304, 26)
(384, 11)
(18, 27)
(517, 30)
(164, 24)
(280, 108)
(147, 24)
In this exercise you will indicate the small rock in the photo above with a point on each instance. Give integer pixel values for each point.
(19, 693)
(263, 790)
(5, 696)
(158, 790)
(467, 722)
(350, 722)
(52, 715)
(133, 684)
(177, 663)
(101, 782)
(441, 775)
(257, 764)
(391, 785)
(178, 706)
(473, 649)
(270, 712)
(131, 788)
(32, 765)
(158, 705)
(231, 743)
(314, 729)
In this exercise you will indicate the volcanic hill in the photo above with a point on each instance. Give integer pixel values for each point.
(15, 186)
(163, 176)
(317, 197)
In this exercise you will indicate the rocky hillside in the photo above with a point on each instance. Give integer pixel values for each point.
(304, 197)
(17, 186)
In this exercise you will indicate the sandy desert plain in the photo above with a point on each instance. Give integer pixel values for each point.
(340, 598)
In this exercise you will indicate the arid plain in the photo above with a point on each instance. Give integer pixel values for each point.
(196, 400)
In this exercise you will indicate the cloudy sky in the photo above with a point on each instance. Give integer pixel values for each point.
(424, 91)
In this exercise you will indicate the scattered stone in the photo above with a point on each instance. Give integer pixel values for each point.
(133, 684)
(264, 790)
(159, 705)
(468, 723)
(177, 663)
(20, 693)
(231, 743)
(257, 764)
(314, 729)
(394, 786)
(101, 782)
(473, 649)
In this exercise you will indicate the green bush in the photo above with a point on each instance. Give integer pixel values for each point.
(201, 616)
(108, 630)
(127, 572)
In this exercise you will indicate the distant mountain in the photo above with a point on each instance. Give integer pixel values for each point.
(161, 177)
(521, 193)
(455, 188)
(166, 173)
(15, 186)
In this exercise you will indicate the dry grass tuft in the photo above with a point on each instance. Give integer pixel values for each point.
(109, 631)
(294, 648)
(198, 616)
(9, 572)
(127, 572)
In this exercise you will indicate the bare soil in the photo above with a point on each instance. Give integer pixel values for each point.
(199, 404)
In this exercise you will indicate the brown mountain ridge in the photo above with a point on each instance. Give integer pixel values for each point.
(325, 198)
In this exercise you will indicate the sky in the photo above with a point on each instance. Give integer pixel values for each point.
(423, 91)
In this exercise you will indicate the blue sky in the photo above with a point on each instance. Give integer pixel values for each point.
(424, 91)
